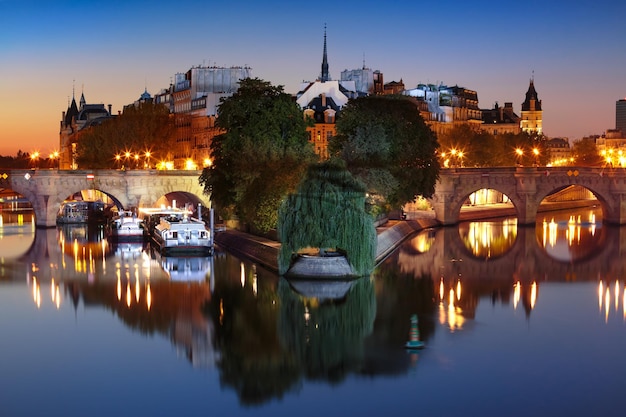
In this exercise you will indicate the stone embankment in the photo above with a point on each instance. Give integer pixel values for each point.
(265, 251)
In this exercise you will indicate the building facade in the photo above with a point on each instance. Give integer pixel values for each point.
(500, 120)
(193, 99)
(532, 115)
(446, 107)
(74, 122)
(620, 116)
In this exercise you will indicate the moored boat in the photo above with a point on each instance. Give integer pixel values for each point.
(182, 235)
(126, 226)
(81, 212)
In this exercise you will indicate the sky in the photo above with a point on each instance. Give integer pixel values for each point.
(111, 51)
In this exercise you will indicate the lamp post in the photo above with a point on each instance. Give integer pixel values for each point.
(519, 153)
(536, 153)
(54, 156)
(34, 158)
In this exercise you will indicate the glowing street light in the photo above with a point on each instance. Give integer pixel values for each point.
(519, 154)
(54, 155)
(536, 153)
(34, 157)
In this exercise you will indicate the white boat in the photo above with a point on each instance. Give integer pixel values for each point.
(126, 226)
(184, 234)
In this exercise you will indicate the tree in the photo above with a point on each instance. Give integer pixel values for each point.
(147, 127)
(261, 156)
(328, 212)
(585, 153)
(387, 145)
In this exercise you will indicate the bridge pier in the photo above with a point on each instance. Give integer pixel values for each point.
(47, 189)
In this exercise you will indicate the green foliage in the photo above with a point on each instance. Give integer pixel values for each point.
(386, 144)
(482, 149)
(147, 127)
(585, 153)
(261, 156)
(328, 211)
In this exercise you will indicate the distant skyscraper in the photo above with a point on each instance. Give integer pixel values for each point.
(620, 115)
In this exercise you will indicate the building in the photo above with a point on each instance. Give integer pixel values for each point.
(366, 81)
(446, 107)
(500, 120)
(532, 116)
(620, 115)
(193, 99)
(74, 122)
(323, 99)
(559, 151)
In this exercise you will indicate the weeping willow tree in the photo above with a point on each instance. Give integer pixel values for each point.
(328, 212)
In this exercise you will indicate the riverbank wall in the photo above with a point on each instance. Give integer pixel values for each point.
(264, 251)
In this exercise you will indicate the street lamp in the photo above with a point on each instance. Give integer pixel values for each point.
(536, 153)
(146, 163)
(34, 157)
(519, 154)
(54, 155)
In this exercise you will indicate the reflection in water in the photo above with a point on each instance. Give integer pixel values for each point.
(267, 337)
(605, 297)
(570, 237)
(487, 239)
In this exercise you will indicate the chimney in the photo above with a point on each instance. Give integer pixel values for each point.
(323, 100)
(110, 106)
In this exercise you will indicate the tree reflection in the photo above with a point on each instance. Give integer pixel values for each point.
(327, 336)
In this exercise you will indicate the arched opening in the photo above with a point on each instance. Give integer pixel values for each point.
(569, 224)
(17, 224)
(89, 206)
(182, 199)
(488, 223)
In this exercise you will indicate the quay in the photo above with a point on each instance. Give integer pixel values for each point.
(264, 251)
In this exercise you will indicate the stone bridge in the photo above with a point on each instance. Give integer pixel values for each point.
(447, 257)
(526, 187)
(47, 189)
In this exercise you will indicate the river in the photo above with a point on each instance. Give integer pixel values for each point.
(516, 321)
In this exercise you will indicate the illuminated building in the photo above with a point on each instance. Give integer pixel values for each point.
(559, 151)
(532, 115)
(323, 99)
(446, 107)
(74, 121)
(500, 120)
(193, 99)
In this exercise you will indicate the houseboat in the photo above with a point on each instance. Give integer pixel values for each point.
(182, 235)
(81, 212)
(126, 227)
(151, 217)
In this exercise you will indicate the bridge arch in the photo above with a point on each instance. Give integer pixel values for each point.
(527, 187)
(47, 189)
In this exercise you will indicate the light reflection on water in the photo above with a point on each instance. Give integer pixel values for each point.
(505, 319)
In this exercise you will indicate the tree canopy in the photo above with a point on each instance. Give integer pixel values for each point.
(260, 157)
(464, 146)
(387, 145)
(145, 128)
(585, 153)
(328, 212)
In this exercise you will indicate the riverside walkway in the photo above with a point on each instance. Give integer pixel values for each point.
(265, 251)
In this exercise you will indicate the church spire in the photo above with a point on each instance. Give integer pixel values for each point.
(325, 75)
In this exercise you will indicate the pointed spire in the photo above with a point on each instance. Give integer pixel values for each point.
(325, 75)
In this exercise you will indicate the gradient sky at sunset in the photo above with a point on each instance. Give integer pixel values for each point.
(112, 50)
